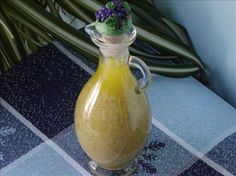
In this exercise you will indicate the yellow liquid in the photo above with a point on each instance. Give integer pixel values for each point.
(111, 118)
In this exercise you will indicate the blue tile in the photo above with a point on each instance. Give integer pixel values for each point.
(42, 161)
(225, 153)
(15, 138)
(161, 156)
(199, 169)
(44, 88)
(191, 111)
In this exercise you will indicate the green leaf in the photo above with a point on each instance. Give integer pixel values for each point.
(181, 70)
(169, 44)
(10, 38)
(91, 5)
(150, 2)
(151, 20)
(29, 37)
(152, 11)
(52, 8)
(142, 54)
(179, 31)
(37, 15)
(23, 21)
(6, 56)
(3, 66)
(75, 10)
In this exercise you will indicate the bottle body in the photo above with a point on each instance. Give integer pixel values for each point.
(111, 119)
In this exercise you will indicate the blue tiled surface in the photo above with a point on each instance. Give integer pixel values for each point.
(225, 153)
(44, 88)
(43, 162)
(15, 138)
(191, 111)
(161, 156)
(48, 83)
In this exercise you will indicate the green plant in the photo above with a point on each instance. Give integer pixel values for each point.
(25, 25)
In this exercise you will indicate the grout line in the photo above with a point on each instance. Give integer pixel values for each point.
(191, 149)
(158, 124)
(219, 139)
(21, 159)
(53, 145)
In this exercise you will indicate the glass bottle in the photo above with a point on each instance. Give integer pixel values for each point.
(112, 113)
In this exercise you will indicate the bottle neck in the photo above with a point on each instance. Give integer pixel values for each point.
(119, 55)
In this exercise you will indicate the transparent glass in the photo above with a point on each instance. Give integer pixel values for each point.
(112, 113)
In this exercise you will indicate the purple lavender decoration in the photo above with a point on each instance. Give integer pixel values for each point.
(115, 18)
(115, 8)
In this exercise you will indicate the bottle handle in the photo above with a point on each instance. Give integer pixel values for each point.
(145, 82)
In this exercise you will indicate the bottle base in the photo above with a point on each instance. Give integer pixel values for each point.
(98, 170)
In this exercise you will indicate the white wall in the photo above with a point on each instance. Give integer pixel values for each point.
(212, 27)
